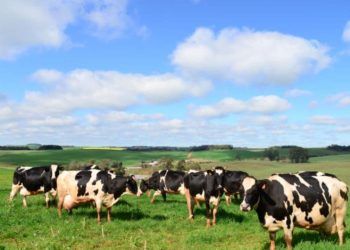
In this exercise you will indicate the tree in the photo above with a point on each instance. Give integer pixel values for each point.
(272, 153)
(181, 165)
(298, 155)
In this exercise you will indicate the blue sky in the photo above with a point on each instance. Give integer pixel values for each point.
(186, 72)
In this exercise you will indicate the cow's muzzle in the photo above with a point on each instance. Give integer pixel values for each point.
(245, 207)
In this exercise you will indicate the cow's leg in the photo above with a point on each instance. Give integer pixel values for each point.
(164, 195)
(14, 191)
(272, 240)
(215, 210)
(288, 236)
(228, 199)
(47, 200)
(60, 205)
(189, 204)
(156, 193)
(24, 200)
(24, 192)
(208, 212)
(109, 210)
(340, 214)
(98, 210)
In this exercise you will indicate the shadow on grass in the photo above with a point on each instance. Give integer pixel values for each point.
(130, 215)
(221, 215)
(307, 236)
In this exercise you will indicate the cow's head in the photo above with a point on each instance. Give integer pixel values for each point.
(144, 187)
(219, 176)
(251, 193)
(131, 186)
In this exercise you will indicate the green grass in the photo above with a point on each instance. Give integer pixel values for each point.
(137, 224)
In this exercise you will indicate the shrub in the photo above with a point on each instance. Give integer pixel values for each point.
(298, 155)
(272, 154)
(181, 165)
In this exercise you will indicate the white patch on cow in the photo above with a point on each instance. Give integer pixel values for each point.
(200, 197)
(214, 200)
(23, 168)
(192, 171)
(247, 183)
(162, 180)
(53, 171)
(302, 180)
(219, 171)
(182, 189)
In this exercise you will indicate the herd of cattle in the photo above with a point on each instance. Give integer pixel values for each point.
(311, 200)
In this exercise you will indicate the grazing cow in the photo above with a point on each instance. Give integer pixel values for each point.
(311, 200)
(204, 186)
(164, 182)
(34, 180)
(232, 184)
(98, 186)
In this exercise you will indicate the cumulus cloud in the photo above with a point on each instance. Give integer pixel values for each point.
(247, 56)
(108, 18)
(30, 24)
(121, 117)
(346, 32)
(297, 93)
(227, 106)
(83, 89)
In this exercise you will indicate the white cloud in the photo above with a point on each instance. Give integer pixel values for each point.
(227, 106)
(346, 32)
(53, 121)
(342, 99)
(297, 93)
(47, 76)
(247, 56)
(84, 89)
(108, 18)
(121, 117)
(30, 23)
(36, 24)
(323, 120)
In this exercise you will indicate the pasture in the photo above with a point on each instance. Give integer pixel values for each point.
(137, 224)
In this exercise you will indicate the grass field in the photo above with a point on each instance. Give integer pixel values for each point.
(137, 224)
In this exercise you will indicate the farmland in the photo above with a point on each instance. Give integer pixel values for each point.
(137, 224)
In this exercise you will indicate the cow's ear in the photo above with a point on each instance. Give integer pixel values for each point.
(262, 184)
(133, 177)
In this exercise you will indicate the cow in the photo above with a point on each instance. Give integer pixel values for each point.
(35, 180)
(204, 186)
(98, 186)
(310, 200)
(164, 182)
(232, 184)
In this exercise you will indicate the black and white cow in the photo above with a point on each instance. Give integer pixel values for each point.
(311, 200)
(232, 183)
(204, 186)
(164, 182)
(99, 186)
(34, 180)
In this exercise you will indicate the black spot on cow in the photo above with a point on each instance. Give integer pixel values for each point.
(344, 195)
(82, 177)
(96, 191)
(313, 193)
